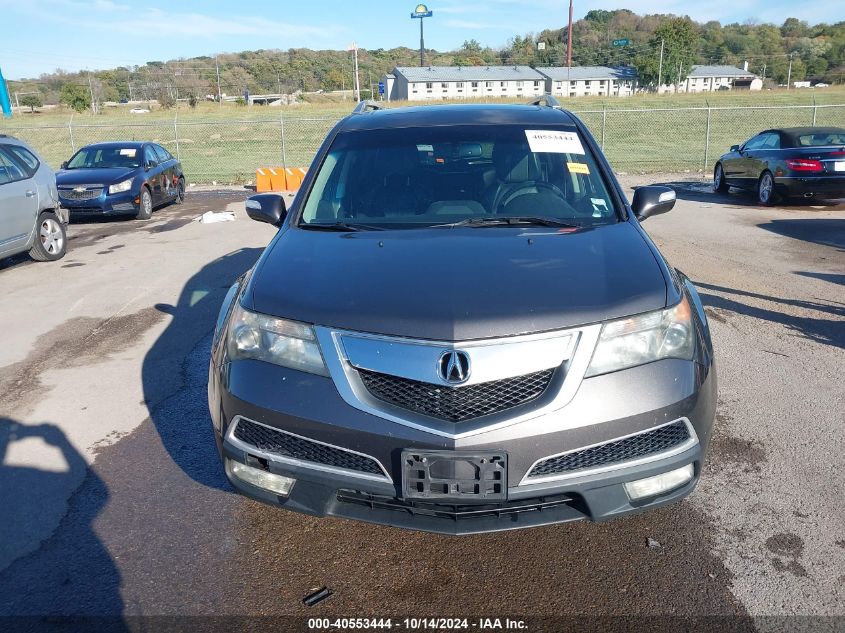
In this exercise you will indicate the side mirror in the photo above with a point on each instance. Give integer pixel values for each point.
(267, 207)
(64, 165)
(652, 200)
(734, 148)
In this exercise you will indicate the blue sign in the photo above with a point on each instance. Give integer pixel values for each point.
(381, 87)
(422, 11)
(621, 42)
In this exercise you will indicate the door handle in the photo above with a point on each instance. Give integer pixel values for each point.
(30, 194)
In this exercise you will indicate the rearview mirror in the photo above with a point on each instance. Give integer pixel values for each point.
(652, 200)
(267, 207)
(734, 148)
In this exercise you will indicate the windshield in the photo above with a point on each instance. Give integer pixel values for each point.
(90, 157)
(472, 175)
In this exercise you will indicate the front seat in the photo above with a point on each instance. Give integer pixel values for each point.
(516, 168)
(395, 193)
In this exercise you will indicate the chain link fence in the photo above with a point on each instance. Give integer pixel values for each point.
(229, 150)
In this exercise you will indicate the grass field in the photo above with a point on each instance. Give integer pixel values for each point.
(225, 143)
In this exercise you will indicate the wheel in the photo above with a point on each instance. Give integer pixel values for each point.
(719, 183)
(146, 210)
(766, 189)
(180, 191)
(51, 241)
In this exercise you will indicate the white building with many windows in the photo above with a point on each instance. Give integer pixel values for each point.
(585, 81)
(425, 83)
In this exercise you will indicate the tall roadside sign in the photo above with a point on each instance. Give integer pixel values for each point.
(420, 13)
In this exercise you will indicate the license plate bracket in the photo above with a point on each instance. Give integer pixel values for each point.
(455, 476)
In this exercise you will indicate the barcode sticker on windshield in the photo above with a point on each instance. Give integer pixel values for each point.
(554, 142)
(128, 152)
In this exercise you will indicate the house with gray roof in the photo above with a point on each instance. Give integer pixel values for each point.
(581, 81)
(708, 78)
(425, 83)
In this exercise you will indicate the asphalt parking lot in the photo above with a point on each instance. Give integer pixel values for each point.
(115, 502)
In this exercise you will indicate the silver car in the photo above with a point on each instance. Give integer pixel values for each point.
(30, 216)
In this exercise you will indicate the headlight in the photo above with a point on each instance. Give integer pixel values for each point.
(126, 185)
(643, 339)
(278, 341)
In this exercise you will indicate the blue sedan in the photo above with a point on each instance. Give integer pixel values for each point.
(120, 178)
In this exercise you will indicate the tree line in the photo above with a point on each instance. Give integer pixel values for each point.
(794, 50)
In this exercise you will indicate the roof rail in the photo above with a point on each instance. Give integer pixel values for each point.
(546, 100)
(366, 106)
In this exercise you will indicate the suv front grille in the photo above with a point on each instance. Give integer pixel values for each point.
(281, 443)
(644, 444)
(456, 404)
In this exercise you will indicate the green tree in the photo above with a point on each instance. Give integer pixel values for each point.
(75, 96)
(680, 40)
(31, 101)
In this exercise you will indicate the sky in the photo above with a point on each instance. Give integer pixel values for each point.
(39, 36)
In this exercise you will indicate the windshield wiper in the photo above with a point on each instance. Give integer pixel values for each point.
(344, 227)
(511, 221)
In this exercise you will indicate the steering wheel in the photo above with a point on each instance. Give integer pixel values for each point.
(508, 196)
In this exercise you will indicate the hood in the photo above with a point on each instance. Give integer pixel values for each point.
(94, 176)
(458, 284)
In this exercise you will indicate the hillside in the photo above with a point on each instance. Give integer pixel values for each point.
(817, 52)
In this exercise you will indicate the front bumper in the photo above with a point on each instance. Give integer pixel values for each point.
(104, 204)
(604, 408)
(811, 186)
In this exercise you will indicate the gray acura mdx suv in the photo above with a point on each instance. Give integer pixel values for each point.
(461, 327)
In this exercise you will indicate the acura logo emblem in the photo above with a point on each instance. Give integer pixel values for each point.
(454, 367)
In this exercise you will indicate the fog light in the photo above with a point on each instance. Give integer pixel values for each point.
(268, 481)
(651, 486)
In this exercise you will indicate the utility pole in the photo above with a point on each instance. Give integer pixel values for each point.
(569, 41)
(219, 96)
(789, 72)
(678, 85)
(354, 49)
(660, 67)
(91, 90)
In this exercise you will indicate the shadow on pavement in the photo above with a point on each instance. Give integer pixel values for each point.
(827, 331)
(824, 231)
(829, 277)
(175, 369)
(702, 191)
(71, 573)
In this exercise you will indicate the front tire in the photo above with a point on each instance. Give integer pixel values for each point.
(719, 184)
(766, 194)
(180, 191)
(145, 212)
(51, 239)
